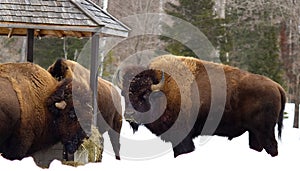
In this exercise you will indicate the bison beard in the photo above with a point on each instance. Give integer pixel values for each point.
(68, 116)
(253, 103)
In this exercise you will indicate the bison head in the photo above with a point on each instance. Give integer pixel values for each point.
(61, 68)
(142, 90)
(66, 123)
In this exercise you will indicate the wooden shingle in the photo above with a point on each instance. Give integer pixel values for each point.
(77, 15)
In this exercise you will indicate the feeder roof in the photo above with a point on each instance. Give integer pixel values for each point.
(76, 18)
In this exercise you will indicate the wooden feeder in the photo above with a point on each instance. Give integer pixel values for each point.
(59, 18)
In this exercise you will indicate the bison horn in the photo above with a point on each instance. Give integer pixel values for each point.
(159, 86)
(61, 105)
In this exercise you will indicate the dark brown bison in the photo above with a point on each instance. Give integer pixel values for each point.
(109, 100)
(36, 111)
(161, 96)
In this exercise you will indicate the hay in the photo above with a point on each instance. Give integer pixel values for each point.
(91, 149)
(72, 163)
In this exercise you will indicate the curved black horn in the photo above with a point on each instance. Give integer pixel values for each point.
(159, 86)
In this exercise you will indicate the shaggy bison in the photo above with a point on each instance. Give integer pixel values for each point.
(160, 96)
(36, 111)
(109, 100)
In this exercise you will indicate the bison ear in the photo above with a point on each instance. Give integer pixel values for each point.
(50, 68)
(160, 85)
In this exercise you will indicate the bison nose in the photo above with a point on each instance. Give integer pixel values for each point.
(128, 114)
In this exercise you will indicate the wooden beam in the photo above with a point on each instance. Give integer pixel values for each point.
(30, 43)
(50, 27)
(94, 74)
(13, 31)
(43, 32)
(59, 33)
(77, 34)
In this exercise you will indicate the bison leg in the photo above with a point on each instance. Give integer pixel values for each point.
(17, 146)
(5, 131)
(115, 141)
(186, 146)
(114, 135)
(254, 143)
(269, 143)
(266, 138)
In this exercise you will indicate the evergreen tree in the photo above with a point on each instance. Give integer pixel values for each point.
(252, 34)
(246, 38)
(47, 50)
(201, 14)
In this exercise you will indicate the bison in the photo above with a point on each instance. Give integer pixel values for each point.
(109, 100)
(161, 96)
(36, 111)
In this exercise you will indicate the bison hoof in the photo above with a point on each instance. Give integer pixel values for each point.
(273, 153)
(256, 147)
(183, 148)
(177, 153)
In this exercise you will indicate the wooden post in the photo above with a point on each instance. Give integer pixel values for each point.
(94, 75)
(30, 43)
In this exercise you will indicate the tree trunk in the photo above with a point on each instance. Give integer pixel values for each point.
(296, 117)
(290, 70)
(297, 100)
(65, 48)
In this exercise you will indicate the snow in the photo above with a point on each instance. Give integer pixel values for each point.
(216, 154)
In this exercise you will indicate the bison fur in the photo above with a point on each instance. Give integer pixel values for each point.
(169, 107)
(109, 100)
(30, 118)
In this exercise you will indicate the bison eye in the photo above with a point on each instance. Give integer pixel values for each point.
(145, 96)
(72, 114)
(130, 93)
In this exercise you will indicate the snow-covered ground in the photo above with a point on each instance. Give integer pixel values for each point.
(216, 154)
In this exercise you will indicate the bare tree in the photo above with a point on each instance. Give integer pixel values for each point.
(290, 50)
(285, 14)
(134, 13)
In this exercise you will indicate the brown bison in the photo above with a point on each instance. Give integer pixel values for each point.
(161, 96)
(109, 100)
(36, 111)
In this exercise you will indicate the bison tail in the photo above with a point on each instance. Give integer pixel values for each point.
(280, 119)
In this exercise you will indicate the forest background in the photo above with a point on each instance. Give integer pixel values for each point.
(260, 36)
